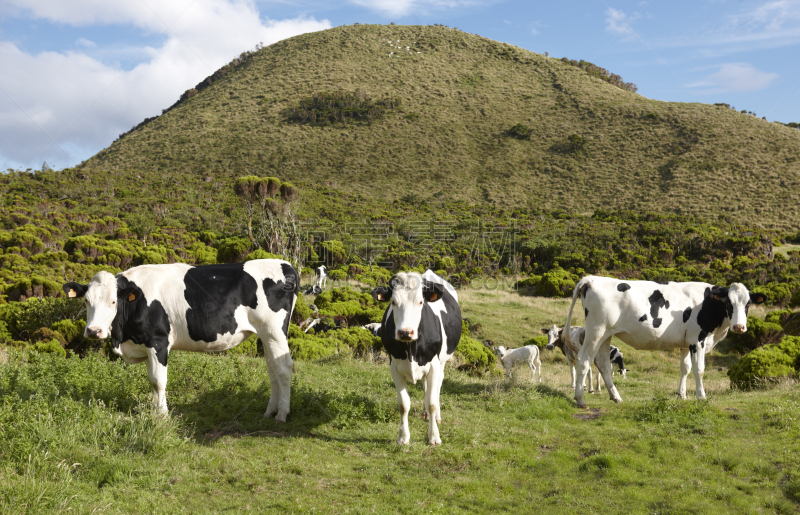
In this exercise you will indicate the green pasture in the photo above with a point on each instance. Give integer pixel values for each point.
(76, 435)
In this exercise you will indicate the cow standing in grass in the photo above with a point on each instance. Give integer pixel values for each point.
(647, 315)
(421, 329)
(555, 338)
(151, 310)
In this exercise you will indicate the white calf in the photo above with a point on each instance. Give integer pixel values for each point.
(528, 354)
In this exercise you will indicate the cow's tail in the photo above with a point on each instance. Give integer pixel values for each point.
(566, 335)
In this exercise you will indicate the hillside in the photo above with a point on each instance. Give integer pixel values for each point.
(448, 139)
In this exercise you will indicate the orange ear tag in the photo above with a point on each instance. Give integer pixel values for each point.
(434, 297)
(131, 297)
(72, 293)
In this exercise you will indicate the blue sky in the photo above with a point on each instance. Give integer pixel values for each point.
(76, 73)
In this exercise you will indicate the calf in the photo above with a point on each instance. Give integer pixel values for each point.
(555, 339)
(323, 277)
(421, 329)
(646, 315)
(529, 354)
(151, 310)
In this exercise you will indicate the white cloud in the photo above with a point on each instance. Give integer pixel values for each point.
(406, 7)
(736, 77)
(85, 43)
(618, 22)
(91, 102)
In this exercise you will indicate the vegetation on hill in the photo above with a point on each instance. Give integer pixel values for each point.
(449, 137)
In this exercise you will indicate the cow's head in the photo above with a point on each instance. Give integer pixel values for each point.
(410, 295)
(103, 298)
(737, 301)
(553, 335)
(501, 351)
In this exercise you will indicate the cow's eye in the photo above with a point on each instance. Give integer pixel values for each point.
(420, 303)
(113, 302)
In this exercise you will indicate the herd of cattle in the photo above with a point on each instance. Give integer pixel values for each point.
(150, 310)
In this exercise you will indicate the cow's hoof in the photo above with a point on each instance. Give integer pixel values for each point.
(281, 417)
(617, 400)
(584, 388)
(438, 420)
(591, 391)
(402, 441)
(436, 441)
(425, 416)
(583, 406)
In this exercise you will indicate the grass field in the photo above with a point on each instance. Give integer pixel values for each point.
(76, 436)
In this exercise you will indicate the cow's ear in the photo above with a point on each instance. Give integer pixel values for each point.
(73, 289)
(545, 331)
(382, 294)
(432, 291)
(131, 294)
(758, 298)
(719, 292)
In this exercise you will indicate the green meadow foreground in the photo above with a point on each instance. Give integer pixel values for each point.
(77, 436)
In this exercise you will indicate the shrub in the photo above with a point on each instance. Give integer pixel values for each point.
(340, 106)
(301, 310)
(50, 347)
(474, 353)
(261, 254)
(556, 282)
(233, 250)
(359, 308)
(519, 131)
(777, 293)
(767, 363)
(354, 341)
(540, 341)
(44, 334)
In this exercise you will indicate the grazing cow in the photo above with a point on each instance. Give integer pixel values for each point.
(646, 315)
(528, 354)
(323, 277)
(420, 330)
(375, 329)
(151, 310)
(555, 339)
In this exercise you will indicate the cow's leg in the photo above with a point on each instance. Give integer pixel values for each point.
(597, 379)
(572, 373)
(533, 369)
(426, 397)
(538, 362)
(699, 366)
(276, 351)
(603, 362)
(157, 374)
(591, 382)
(686, 366)
(405, 405)
(591, 345)
(436, 377)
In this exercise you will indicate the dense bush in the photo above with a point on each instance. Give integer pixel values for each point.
(540, 341)
(340, 106)
(767, 363)
(354, 341)
(358, 308)
(556, 282)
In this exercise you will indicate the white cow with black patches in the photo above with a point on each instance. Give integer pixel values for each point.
(421, 329)
(151, 310)
(646, 315)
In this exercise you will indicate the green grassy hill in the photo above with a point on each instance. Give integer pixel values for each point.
(448, 139)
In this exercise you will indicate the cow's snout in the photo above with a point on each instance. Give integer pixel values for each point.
(94, 333)
(550, 346)
(739, 328)
(405, 334)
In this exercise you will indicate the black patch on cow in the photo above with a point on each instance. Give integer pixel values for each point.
(429, 340)
(656, 302)
(662, 282)
(623, 287)
(712, 314)
(213, 293)
(666, 305)
(643, 318)
(617, 358)
(584, 289)
(139, 322)
(687, 314)
(281, 295)
(702, 336)
(702, 344)
(693, 348)
(585, 312)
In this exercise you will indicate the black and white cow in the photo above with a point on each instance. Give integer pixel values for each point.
(421, 329)
(646, 315)
(151, 310)
(375, 329)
